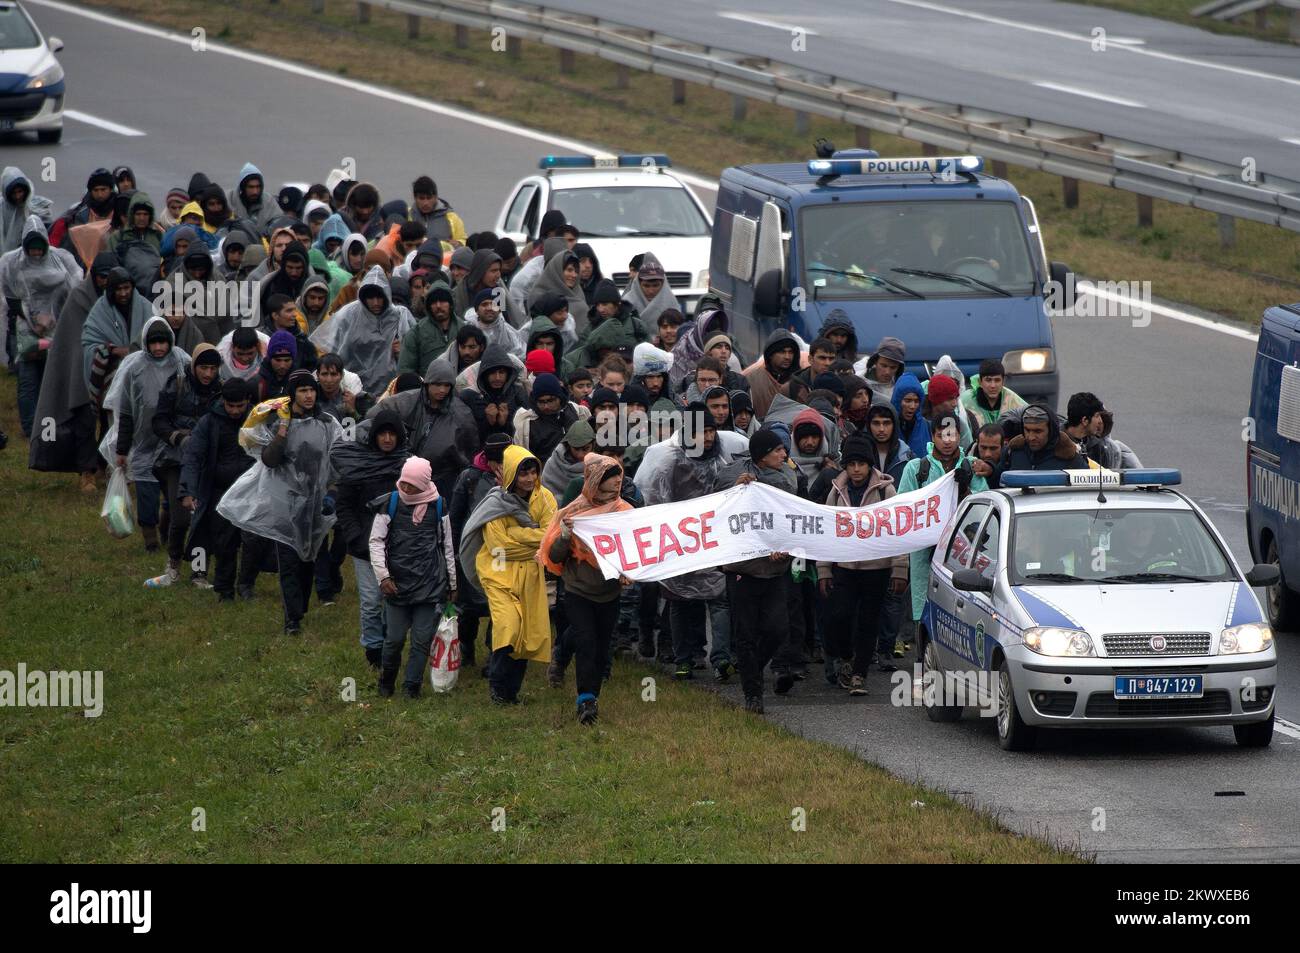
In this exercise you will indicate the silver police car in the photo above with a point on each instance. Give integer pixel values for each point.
(1094, 598)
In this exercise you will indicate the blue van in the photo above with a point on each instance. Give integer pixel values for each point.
(1273, 461)
(928, 250)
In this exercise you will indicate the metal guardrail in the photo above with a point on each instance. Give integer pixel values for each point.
(1024, 141)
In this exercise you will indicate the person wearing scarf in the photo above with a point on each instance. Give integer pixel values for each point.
(591, 602)
(648, 291)
(415, 566)
(112, 329)
(499, 556)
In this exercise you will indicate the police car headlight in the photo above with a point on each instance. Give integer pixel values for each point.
(1047, 640)
(1241, 639)
(46, 78)
(1038, 360)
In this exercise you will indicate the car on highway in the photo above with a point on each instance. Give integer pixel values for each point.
(1094, 598)
(624, 206)
(31, 79)
(927, 249)
(1273, 461)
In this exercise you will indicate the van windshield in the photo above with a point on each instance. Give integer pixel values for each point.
(930, 249)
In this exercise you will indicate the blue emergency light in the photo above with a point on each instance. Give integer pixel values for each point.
(602, 161)
(1090, 479)
(925, 165)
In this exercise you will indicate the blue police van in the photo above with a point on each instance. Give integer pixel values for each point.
(929, 250)
(1273, 460)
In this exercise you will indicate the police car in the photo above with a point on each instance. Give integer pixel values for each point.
(31, 79)
(1095, 599)
(624, 205)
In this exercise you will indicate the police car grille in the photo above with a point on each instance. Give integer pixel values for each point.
(676, 279)
(1106, 705)
(21, 107)
(1139, 643)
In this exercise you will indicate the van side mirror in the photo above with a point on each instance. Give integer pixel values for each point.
(767, 293)
(971, 580)
(1059, 274)
(1265, 574)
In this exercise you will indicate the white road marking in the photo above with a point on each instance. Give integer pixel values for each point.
(102, 123)
(1293, 141)
(1089, 94)
(1172, 313)
(1290, 729)
(759, 21)
(1087, 38)
(512, 129)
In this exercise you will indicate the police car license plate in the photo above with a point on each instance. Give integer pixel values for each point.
(1158, 686)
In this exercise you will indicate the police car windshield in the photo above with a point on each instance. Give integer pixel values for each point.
(628, 211)
(932, 242)
(1120, 547)
(16, 31)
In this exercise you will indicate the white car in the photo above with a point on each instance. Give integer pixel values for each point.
(624, 206)
(31, 79)
(1095, 599)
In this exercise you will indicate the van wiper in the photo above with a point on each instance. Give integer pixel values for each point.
(893, 286)
(1153, 577)
(1055, 577)
(952, 276)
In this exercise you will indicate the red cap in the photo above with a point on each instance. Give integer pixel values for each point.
(942, 388)
(543, 362)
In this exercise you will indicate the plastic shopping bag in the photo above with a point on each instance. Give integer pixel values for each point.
(118, 511)
(444, 657)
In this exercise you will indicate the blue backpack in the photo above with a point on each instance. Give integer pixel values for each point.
(392, 505)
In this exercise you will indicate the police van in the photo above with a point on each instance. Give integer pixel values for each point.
(1094, 598)
(929, 250)
(623, 205)
(1273, 461)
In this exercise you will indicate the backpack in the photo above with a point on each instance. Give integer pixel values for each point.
(392, 505)
(923, 476)
(141, 260)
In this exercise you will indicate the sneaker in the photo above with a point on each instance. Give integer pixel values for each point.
(169, 576)
(899, 650)
(412, 691)
(754, 704)
(554, 675)
(784, 682)
(699, 663)
(325, 603)
(587, 713)
(883, 664)
(646, 650)
(724, 672)
(502, 700)
(200, 581)
(857, 685)
(87, 484)
(684, 671)
(293, 628)
(800, 673)
(225, 597)
(385, 689)
(246, 593)
(844, 676)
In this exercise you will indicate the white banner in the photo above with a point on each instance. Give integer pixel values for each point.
(659, 542)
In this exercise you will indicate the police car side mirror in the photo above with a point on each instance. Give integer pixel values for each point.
(971, 580)
(55, 44)
(1265, 574)
(767, 293)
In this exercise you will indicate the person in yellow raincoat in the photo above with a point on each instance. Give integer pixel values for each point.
(499, 555)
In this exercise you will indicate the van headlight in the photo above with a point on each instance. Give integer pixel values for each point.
(702, 279)
(1242, 639)
(1048, 640)
(1035, 360)
(46, 78)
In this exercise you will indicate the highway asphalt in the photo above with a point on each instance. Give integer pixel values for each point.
(1179, 391)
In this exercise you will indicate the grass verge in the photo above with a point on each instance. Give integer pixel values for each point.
(1276, 24)
(208, 707)
(1180, 254)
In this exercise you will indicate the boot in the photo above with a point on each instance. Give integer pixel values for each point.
(87, 483)
(375, 657)
(387, 681)
(150, 534)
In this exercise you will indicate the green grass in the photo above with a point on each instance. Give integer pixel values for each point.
(208, 706)
(1180, 256)
(1180, 11)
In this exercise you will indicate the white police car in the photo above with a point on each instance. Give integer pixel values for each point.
(624, 206)
(31, 79)
(1095, 598)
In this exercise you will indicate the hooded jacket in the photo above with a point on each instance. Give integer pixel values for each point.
(428, 340)
(898, 454)
(512, 393)
(608, 335)
(200, 465)
(181, 405)
(880, 487)
(107, 327)
(850, 349)
(315, 318)
(1059, 453)
(977, 406)
(551, 281)
(37, 287)
(763, 384)
(560, 466)
(144, 378)
(364, 472)
(139, 251)
(262, 212)
(13, 215)
(919, 436)
(363, 340)
(444, 435)
(651, 309)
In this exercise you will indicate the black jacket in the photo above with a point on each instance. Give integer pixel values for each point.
(180, 407)
(375, 474)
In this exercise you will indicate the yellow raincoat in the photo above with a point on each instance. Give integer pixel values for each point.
(516, 593)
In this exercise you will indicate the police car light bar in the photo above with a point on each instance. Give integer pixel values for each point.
(947, 166)
(603, 161)
(1090, 479)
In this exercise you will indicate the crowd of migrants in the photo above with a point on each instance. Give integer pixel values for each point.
(452, 402)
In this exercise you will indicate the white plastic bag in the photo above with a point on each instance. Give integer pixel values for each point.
(444, 656)
(118, 511)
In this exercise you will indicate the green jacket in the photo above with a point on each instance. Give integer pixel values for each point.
(426, 342)
(972, 401)
(611, 334)
(336, 274)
